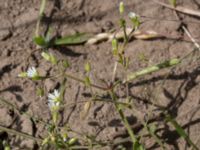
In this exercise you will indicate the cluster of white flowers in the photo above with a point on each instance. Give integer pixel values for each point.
(54, 99)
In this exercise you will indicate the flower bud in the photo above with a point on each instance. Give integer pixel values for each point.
(121, 7)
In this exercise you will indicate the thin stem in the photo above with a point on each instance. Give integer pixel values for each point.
(76, 79)
(153, 134)
(98, 100)
(191, 38)
(124, 119)
(12, 131)
(125, 34)
(114, 71)
(82, 81)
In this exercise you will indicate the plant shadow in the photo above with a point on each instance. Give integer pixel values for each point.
(188, 83)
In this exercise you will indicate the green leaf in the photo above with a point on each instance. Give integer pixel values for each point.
(48, 36)
(75, 39)
(39, 40)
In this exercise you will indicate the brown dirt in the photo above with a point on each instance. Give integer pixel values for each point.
(181, 87)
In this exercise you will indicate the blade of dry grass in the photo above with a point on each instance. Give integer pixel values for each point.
(180, 9)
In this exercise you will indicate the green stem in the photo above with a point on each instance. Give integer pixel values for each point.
(98, 100)
(127, 125)
(124, 119)
(83, 81)
(125, 34)
(153, 134)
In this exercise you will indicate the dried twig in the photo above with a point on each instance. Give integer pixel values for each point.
(142, 35)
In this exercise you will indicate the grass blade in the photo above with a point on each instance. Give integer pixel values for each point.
(181, 131)
(151, 69)
(42, 7)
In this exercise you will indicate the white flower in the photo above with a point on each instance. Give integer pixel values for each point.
(32, 72)
(132, 15)
(54, 99)
(64, 139)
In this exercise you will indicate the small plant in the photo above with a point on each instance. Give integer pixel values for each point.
(58, 137)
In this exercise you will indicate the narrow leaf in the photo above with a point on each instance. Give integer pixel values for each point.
(151, 69)
(181, 131)
(39, 40)
(78, 38)
(42, 7)
(138, 146)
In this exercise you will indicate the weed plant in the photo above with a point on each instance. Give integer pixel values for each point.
(58, 137)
